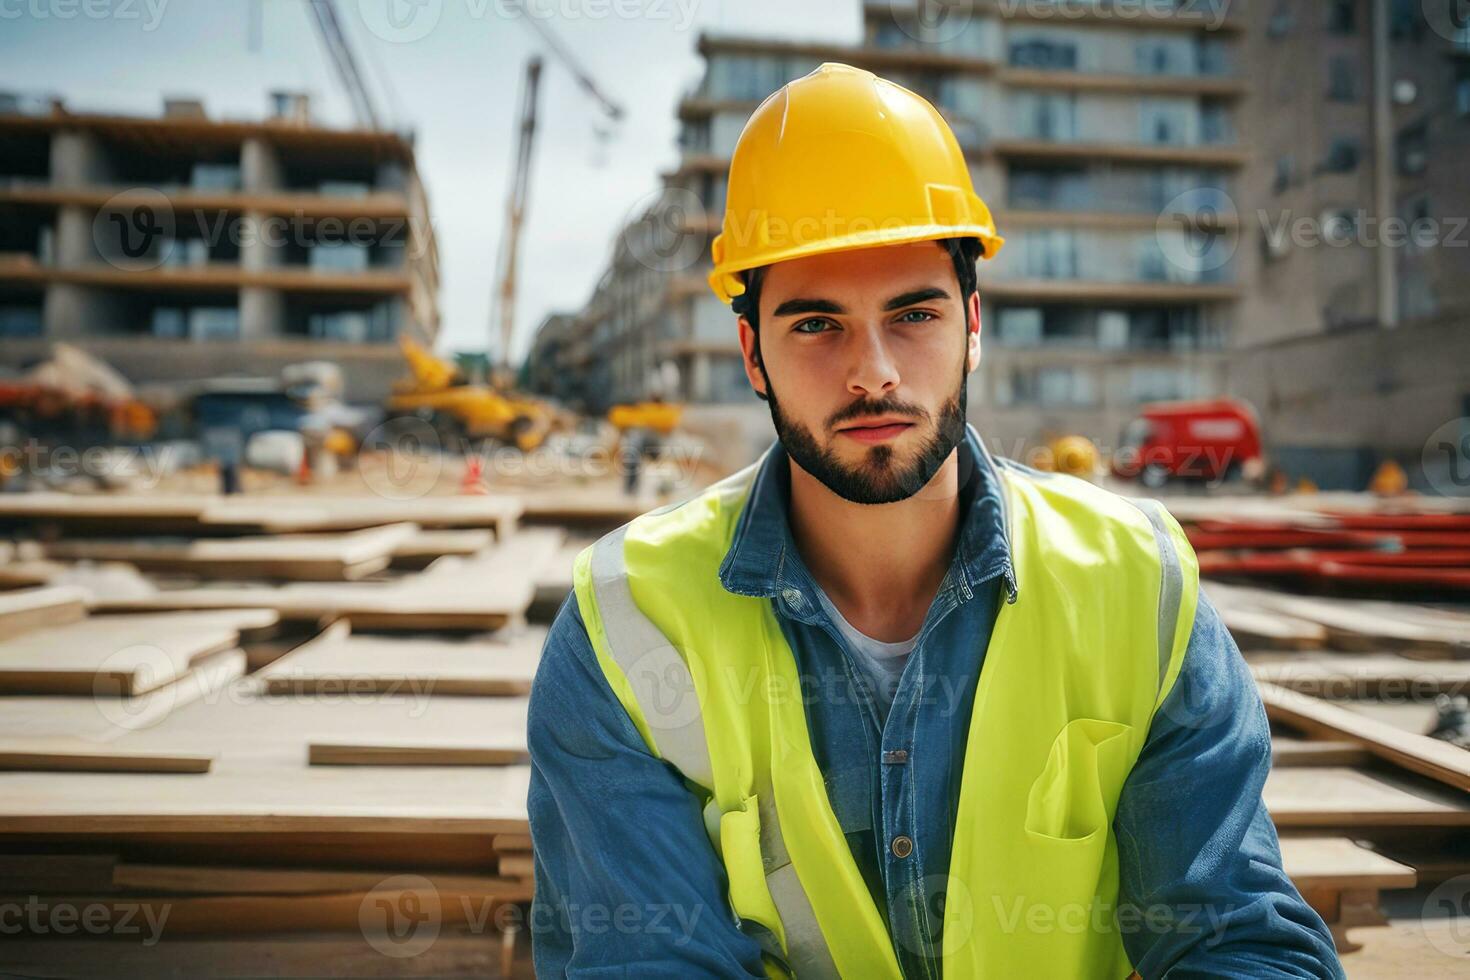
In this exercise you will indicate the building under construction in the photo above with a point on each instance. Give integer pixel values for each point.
(183, 245)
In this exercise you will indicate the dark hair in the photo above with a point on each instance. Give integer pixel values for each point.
(963, 252)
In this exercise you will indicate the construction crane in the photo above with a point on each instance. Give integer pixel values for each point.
(502, 313)
(329, 28)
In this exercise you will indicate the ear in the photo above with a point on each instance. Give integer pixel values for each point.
(972, 343)
(747, 350)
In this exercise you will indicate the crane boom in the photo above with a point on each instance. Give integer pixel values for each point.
(329, 28)
(515, 215)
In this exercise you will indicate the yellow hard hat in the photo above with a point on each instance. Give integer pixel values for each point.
(842, 159)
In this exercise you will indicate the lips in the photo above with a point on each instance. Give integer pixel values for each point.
(871, 432)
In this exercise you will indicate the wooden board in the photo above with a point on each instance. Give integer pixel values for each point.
(1337, 862)
(339, 662)
(1347, 676)
(1359, 625)
(120, 655)
(1289, 751)
(429, 544)
(30, 716)
(517, 865)
(42, 873)
(1352, 799)
(313, 512)
(28, 609)
(78, 755)
(232, 880)
(1438, 760)
(299, 557)
(480, 594)
(414, 753)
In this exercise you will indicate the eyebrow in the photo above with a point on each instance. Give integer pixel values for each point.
(792, 307)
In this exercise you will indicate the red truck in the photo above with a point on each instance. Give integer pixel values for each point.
(1194, 440)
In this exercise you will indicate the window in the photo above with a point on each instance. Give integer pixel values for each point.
(1020, 327)
(1406, 20)
(1164, 121)
(1214, 122)
(1283, 19)
(1413, 150)
(1342, 16)
(1342, 78)
(1343, 156)
(1045, 115)
(20, 321)
(1285, 168)
(1049, 253)
(1039, 53)
(1049, 189)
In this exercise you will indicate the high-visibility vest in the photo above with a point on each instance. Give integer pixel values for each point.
(1076, 667)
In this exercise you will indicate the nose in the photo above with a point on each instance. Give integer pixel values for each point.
(873, 370)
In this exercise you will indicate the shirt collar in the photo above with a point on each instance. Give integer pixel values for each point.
(762, 558)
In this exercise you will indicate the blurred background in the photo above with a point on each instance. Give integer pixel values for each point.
(332, 330)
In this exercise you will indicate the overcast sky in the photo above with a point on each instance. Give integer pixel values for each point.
(454, 68)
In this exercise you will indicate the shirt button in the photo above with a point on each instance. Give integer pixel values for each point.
(902, 846)
(793, 598)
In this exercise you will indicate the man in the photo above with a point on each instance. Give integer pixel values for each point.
(880, 705)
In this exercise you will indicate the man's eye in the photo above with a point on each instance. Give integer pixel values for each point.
(817, 324)
(924, 315)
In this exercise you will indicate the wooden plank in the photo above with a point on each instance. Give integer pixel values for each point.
(299, 557)
(1360, 624)
(1351, 799)
(517, 865)
(41, 873)
(1441, 761)
(1349, 676)
(313, 512)
(480, 594)
(100, 720)
(1338, 862)
(29, 609)
(234, 880)
(512, 842)
(120, 655)
(77, 755)
(420, 753)
(1288, 751)
(503, 664)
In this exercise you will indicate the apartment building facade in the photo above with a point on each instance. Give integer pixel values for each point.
(1109, 148)
(182, 246)
(1354, 340)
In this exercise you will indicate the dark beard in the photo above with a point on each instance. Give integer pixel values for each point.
(878, 479)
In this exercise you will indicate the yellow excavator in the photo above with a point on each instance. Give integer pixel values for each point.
(460, 412)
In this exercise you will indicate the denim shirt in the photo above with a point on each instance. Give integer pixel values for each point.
(628, 883)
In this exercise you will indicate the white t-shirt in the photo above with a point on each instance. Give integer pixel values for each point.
(882, 662)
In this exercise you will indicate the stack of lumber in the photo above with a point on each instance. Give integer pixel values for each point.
(1334, 545)
(149, 766)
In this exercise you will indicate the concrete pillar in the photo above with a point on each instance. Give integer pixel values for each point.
(260, 166)
(699, 379)
(78, 160)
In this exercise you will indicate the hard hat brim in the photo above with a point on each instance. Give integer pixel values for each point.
(725, 280)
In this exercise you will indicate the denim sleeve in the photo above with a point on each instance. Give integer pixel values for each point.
(627, 882)
(1202, 892)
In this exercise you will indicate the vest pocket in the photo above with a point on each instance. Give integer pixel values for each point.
(1073, 797)
(740, 846)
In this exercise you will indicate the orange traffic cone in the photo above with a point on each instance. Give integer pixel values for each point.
(473, 481)
(303, 469)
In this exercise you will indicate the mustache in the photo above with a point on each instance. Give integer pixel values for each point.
(861, 410)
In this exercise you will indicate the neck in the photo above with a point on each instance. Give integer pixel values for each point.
(880, 564)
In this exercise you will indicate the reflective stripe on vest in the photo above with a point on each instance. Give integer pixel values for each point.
(662, 685)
